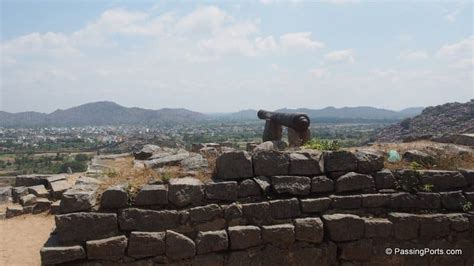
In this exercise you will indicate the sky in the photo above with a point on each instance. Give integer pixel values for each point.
(224, 56)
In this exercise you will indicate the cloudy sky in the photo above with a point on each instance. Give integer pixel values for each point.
(216, 57)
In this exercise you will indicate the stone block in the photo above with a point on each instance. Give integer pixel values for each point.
(322, 184)
(58, 255)
(419, 157)
(264, 183)
(222, 191)
(42, 205)
(428, 200)
(458, 222)
(378, 228)
(248, 188)
(369, 162)
(433, 225)
(18, 192)
(315, 205)
(233, 211)
(214, 225)
(209, 260)
(354, 182)
(30, 180)
(282, 209)
(205, 213)
(79, 198)
(14, 210)
(28, 200)
(83, 226)
(293, 185)
(146, 244)
(243, 237)
(114, 198)
(234, 165)
(346, 202)
(309, 230)
(405, 225)
(339, 161)
(271, 163)
(375, 200)
(406, 179)
(468, 175)
(179, 246)
(55, 207)
(453, 200)
(442, 180)
(337, 225)
(59, 187)
(150, 195)
(360, 250)
(306, 163)
(279, 235)
(403, 200)
(211, 241)
(185, 191)
(148, 220)
(39, 191)
(384, 179)
(257, 213)
(112, 248)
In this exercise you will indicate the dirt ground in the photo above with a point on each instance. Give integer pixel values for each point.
(22, 237)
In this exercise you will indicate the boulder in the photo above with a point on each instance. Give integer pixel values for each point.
(227, 190)
(146, 152)
(112, 248)
(42, 205)
(339, 161)
(114, 198)
(369, 162)
(59, 187)
(185, 191)
(172, 157)
(179, 246)
(83, 226)
(384, 179)
(39, 191)
(58, 255)
(28, 200)
(149, 195)
(337, 225)
(211, 241)
(279, 235)
(354, 182)
(80, 197)
(146, 244)
(287, 208)
(321, 184)
(243, 237)
(315, 205)
(205, 213)
(306, 163)
(234, 165)
(309, 230)
(148, 220)
(271, 163)
(419, 157)
(248, 188)
(442, 180)
(293, 185)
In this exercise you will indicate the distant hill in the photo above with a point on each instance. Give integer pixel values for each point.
(99, 113)
(433, 122)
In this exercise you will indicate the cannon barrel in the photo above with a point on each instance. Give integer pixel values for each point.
(298, 122)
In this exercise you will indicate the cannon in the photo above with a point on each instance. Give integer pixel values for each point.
(297, 124)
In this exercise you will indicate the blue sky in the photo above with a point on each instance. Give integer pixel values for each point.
(227, 56)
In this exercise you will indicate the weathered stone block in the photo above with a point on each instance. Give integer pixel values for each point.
(459, 222)
(428, 200)
(39, 191)
(468, 175)
(403, 200)
(453, 200)
(433, 225)
(42, 205)
(321, 184)
(148, 220)
(282, 209)
(309, 230)
(378, 228)
(264, 183)
(242, 237)
(248, 188)
(353, 182)
(146, 244)
(271, 163)
(112, 248)
(384, 179)
(279, 235)
(233, 211)
(209, 260)
(185, 191)
(419, 157)
(55, 207)
(59, 187)
(54, 178)
(375, 200)
(28, 200)
(405, 225)
(83, 226)
(18, 192)
(406, 179)
(339, 161)
(336, 225)
(214, 225)
(179, 246)
(360, 250)
(306, 163)
(368, 162)
(234, 165)
(257, 213)
(293, 185)
(222, 191)
(13, 211)
(114, 198)
(211, 241)
(346, 202)
(30, 180)
(152, 195)
(79, 198)
(442, 180)
(205, 213)
(315, 205)
(57, 255)
(324, 254)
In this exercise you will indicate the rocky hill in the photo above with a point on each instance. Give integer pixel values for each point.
(433, 122)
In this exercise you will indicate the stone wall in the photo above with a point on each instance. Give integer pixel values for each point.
(276, 208)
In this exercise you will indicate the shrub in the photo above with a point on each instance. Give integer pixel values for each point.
(323, 145)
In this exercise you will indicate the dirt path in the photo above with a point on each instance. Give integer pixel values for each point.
(22, 237)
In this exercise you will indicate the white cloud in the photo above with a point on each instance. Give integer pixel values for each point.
(413, 55)
(318, 73)
(463, 63)
(461, 48)
(266, 44)
(299, 40)
(340, 56)
(339, 2)
(204, 18)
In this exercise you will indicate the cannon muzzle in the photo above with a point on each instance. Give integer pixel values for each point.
(298, 122)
